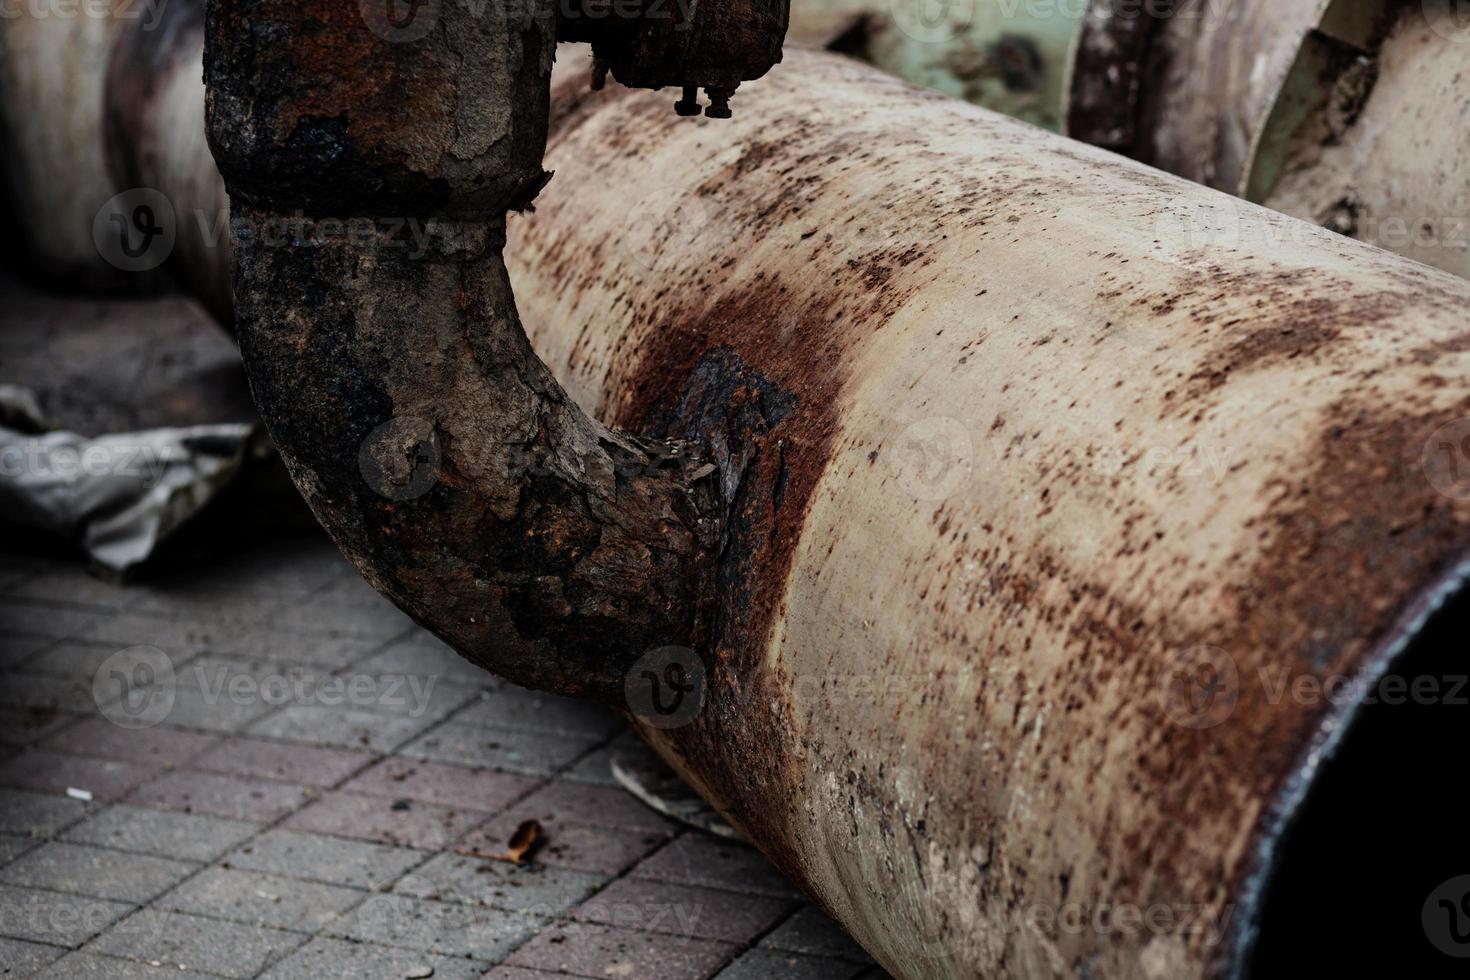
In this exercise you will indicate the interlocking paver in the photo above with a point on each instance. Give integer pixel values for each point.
(295, 649)
(105, 779)
(344, 728)
(51, 917)
(432, 782)
(528, 753)
(694, 859)
(28, 691)
(403, 822)
(254, 898)
(581, 847)
(16, 650)
(766, 964)
(187, 836)
(598, 951)
(485, 934)
(534, 890)
(25, 726)
(519, 709)
(811, 933)
(159, 746)
(322, 615)
(12, 847)
(306, 764)
(427, 656)
(91, 966)
(235, 797)
(39, 618)
(35, 814)
(322, 858)
(208, 945)
(684, 910)
(78, 659)
(338, 959)
(19, 958)
(565, 802)
(95, 872)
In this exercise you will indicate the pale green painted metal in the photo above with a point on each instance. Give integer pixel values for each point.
(1006, 55)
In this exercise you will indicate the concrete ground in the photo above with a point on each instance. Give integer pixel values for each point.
(304, 798)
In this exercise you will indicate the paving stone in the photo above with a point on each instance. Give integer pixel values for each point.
(532, 889)
(694, 859)
(485, 934)
(766, 964)
(321, 858)
(16, 650)
(37, 815)
(25, 726)
(24, 690)
(12, 847)
(425, 655)
(95, 872)
(261, 899)
(178, 636)
(432, 782)
(682, 910)
(19, 958)
(580, 847)
(235, 797)
(158, 746)
(598, 951)
(347, 729)
(90, 966)
(528, 753)
(309, 765)
(187, 836)
(385, 820)
(319, 614)
(207, 945)
(566, 802)
(77, 587)
(521, 710)
(596, 767)
(78, 659)
(813, 934)
(50, 772)
(295, 648)
(22, 616)
(338, 959)
(51, 917)
(518, 973)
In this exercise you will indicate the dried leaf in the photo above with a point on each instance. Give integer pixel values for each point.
(518, 849)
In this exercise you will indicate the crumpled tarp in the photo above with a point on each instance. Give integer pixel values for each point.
(118, 495)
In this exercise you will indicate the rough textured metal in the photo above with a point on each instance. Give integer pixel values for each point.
(1010, 57)
(940, 695)
(1009, 434)
(1348, 113)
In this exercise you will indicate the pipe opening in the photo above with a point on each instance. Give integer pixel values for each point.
(1363, 880)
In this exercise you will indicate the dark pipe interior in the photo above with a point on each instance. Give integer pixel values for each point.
(1385, 824)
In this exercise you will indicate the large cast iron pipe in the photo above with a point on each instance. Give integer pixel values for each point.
(1012, 439)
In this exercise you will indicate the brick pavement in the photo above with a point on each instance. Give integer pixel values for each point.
(276, 822)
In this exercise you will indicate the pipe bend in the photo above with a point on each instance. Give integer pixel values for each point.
(379, 330)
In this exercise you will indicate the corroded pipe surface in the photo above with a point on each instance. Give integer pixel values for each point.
(1022, 459)
(1014, 441)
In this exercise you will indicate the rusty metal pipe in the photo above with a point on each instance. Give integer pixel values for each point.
(1005, 460)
